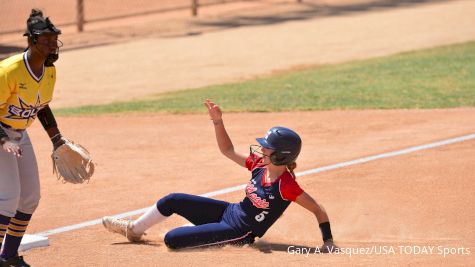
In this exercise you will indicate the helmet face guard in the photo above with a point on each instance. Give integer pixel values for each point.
(285, 142)
(51, 58)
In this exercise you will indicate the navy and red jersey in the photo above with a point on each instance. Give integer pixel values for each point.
(265, 203)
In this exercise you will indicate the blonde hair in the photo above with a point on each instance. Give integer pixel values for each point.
(291, 167)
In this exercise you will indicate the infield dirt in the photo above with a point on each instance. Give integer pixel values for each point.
(419, 199)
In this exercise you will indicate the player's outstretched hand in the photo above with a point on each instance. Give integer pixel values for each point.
(11, 146)
(328, 246)
(214, 111)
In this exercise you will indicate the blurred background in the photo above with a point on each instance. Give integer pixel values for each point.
(119, 19)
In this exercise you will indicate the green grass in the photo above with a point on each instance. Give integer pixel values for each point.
(442, 77)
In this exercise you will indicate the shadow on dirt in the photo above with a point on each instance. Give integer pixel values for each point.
(140, 243)
(266, 247)
(312, 10)
(8, 49)
(302, 11)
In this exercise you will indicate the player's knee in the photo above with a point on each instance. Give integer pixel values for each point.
(171, 240)
(9, 203)
(29, 203)
(7, 211)
(168, 204)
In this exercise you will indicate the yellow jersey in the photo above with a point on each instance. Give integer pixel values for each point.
(22, 94)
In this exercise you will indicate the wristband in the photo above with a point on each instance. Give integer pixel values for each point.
(56, 138)
(326, 231)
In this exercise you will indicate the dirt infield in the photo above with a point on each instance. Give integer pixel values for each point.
(419, 199)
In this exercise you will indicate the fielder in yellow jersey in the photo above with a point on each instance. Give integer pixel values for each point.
(22, 93)
(26, 88)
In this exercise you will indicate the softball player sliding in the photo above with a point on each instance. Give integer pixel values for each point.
(26, 87)
(268, 194)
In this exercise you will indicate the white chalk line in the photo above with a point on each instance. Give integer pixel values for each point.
(303, 173)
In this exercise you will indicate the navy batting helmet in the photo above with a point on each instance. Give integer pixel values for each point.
(285, 142)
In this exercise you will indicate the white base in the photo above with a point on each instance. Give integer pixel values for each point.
(33, 241)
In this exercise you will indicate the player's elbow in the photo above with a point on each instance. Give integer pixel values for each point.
(227, 151)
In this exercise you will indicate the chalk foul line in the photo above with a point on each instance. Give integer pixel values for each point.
(303, 173)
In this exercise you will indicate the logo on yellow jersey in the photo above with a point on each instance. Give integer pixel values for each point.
(24, 111)
(22, 86)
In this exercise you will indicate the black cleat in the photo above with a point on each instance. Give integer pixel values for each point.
(16, 261)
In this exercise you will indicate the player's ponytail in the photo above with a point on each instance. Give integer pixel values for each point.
(36, 13)
(291, 167)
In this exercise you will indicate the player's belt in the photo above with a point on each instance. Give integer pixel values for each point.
(6, 126)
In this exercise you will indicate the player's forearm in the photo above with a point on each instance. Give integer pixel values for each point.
(323, 223)
(224, 142)
(321, 214)
(306, 201)
(309, 203)
(46, 117)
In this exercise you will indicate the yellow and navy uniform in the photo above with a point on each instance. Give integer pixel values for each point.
(22, 94)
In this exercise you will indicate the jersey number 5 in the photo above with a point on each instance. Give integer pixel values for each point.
(261, 216)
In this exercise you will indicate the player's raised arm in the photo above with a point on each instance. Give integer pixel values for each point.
(224, 142)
